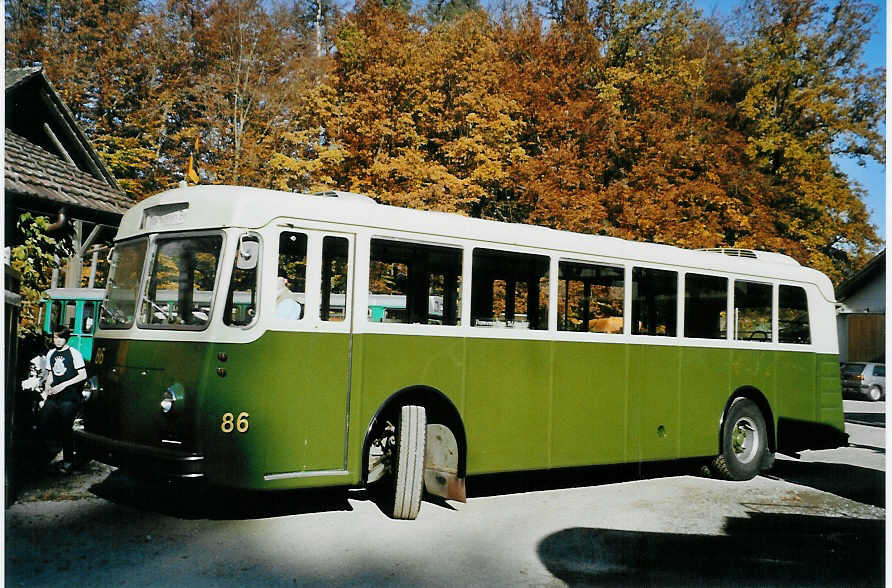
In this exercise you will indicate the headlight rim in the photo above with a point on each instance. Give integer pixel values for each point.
(169, 399)
(91, 388)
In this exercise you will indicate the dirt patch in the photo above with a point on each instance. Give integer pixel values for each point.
(46, 484)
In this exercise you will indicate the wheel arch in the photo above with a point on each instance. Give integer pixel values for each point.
(439, 410)
(758, 398)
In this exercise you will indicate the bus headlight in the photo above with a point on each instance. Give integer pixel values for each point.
(91, 388)
(168, 400)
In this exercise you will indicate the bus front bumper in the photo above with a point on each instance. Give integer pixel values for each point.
(137, 458)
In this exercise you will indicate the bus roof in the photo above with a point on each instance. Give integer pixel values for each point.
(75, 293)
(212, 207)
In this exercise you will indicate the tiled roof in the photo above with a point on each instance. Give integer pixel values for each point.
(16, 76)
(32, 171)
(866, 273)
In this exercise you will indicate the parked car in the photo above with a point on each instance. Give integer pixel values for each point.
(864, 379)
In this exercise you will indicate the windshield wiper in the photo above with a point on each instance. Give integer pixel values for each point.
(114, 314)
(164, 311)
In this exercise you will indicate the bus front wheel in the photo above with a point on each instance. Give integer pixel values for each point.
(744, 442)
(409, 463)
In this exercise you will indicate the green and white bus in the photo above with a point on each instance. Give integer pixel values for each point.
(243, 340)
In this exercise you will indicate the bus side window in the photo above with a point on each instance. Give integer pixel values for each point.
(334, 279)
(292, 273)
(752, 311)
(55, 314)
(414, 283)
(705, 306)
(654, 307)
(510, 290)
(87, 325)
(793, 316)
(70, 315)
(590, 298)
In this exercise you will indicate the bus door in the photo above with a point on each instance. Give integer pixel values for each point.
(309, 413)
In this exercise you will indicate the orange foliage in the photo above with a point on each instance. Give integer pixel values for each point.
(629, 118)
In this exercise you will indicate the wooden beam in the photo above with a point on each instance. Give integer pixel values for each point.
(55, 141)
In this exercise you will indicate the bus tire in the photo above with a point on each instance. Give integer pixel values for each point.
(409, 470)
(744, 442)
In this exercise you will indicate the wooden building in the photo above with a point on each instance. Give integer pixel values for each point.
(861, 313)
(52, 169)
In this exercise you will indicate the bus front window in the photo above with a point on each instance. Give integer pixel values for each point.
(118, 308)
(180, 286)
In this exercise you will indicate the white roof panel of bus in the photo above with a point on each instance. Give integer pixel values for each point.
(212, 207)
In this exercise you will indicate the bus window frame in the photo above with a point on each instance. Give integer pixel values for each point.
(274, 288)
(557, 260)
(683, 290)
(459, 248)
(149, 263)
(311, 319)
(104, 303)
(259, 268)
(679, 271)
(348, 302)
(550, 328)
(809, 310)
(361, 282)
(733, 309)
(314, 273)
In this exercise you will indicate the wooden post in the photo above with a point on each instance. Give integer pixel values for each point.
(75, 265)
(95, 260)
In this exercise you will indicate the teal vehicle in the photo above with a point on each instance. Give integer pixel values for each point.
(267, 340)
(77, 309)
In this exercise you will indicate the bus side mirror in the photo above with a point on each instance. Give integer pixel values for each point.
(248, 252)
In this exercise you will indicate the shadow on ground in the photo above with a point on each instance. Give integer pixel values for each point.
(873, 448)
(864, 485)
(195, 500)
(533, 481)
(759, 550)
(870, 419)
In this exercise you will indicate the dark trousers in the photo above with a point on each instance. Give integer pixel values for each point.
(56, 419)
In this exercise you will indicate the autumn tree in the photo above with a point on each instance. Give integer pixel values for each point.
(90, 50)
(809, 98)
(672, 168)
(633, 118)
(411, 116)
(440, 11)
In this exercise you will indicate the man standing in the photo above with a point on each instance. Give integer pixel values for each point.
(62, 394)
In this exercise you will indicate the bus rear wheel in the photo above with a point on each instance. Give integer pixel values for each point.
(744, 442)
(408, 479)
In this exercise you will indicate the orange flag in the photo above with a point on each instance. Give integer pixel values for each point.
(190, 172)
(190, 169)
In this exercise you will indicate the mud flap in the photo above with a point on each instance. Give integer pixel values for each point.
(441, 464)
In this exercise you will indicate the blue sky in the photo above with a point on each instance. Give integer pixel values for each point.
(871, 176)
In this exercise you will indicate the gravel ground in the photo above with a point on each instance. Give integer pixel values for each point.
(819, 520)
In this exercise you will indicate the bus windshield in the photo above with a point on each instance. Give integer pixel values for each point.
(119, 306)
(180, 284)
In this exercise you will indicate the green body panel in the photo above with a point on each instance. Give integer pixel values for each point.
(524, 404)
(706, 383)
(795, 386)
(293, 394)
(293, 387)
(380, 370)
(829, 391)
(654, 384)
(507, 403)
(589, 395)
